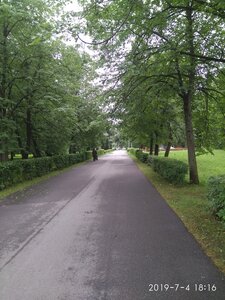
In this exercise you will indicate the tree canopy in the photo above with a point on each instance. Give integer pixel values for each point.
(48, 104)
(171, 53)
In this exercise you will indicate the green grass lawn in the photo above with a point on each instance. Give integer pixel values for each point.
(191, 205)
(208, 164)
(19, 156)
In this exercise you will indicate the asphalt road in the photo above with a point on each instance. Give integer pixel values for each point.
(100, 231)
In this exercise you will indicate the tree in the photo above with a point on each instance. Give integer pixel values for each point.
(173, 41)
(42, 84)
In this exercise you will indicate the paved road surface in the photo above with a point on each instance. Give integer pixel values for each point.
(99, 231)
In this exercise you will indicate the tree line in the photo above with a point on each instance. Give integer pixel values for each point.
(48, 104)
(166, 70)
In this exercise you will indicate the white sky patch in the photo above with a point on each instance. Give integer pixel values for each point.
(72, 7)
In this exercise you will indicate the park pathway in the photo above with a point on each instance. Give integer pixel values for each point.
(100, 231)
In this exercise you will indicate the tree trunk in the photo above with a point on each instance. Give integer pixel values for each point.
(28, 130)
(193, 171)
(167, 152)
(151, 146)
(156, 150)
(188, 96)
(4, 156)
(37, 152)
(169, 144)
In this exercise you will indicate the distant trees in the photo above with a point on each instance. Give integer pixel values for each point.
(173, 51)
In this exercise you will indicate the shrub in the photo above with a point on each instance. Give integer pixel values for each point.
(43, 165)
(170, 169)
(101, 151)
(108, 151)
(216, 195)
(65, 160)
(150, 160)
(18, 170)
(132, 150)
(28, 168)
(142, 156)
(15, 171)
(10, 173)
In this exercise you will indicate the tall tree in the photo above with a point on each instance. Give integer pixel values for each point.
(172, 42)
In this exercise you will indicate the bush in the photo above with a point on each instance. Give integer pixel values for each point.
(16, 171)
(108, 151)
(132, 150)
(35, 167)
(170, 169)
(10, 173)
(65, 160)
(142, 156)
(101, 151)
(88, 154)
(216, 195)
(150, 160)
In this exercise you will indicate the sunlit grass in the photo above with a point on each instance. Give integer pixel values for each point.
(190, 203)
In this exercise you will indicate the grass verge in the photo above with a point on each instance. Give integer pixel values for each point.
(190, 204)
(21, 186)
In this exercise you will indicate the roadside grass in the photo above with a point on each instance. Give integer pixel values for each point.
(189, 202)
(21, 186)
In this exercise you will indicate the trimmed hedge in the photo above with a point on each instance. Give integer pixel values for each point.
(12, 172)
(132, 150)
(66, 160)
(142, 156)
(216, 195)
(18, 170)
(100, 152)
(170, 169)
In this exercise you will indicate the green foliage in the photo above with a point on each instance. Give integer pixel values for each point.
(89, 154)
(100, 152)
(150, 160)
(216, 195)
(142, 156)
(48, 104)
(167, 71)
(132, 150)
(16, 171)
(170, 169)
(66, 160)
(19, 170)
(209, 165)
(10, 173)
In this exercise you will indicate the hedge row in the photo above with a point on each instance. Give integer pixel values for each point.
(142, 156)
(16, 171)
(132, 150)
(100, 152)
(216, 195)
(170, 169)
